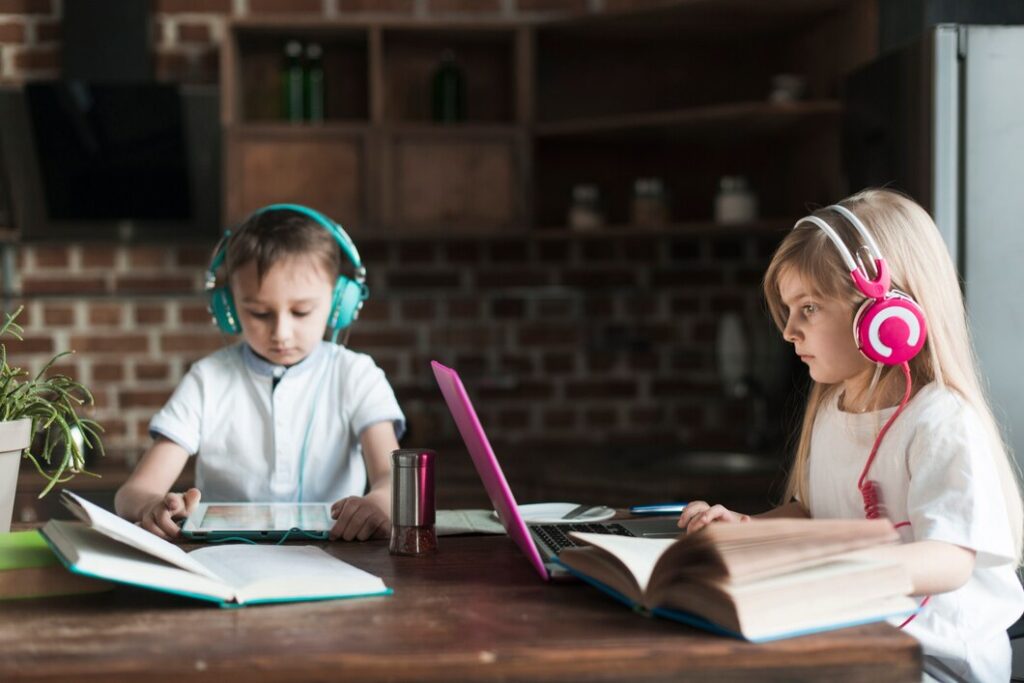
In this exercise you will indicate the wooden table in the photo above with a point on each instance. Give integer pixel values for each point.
(473, 612)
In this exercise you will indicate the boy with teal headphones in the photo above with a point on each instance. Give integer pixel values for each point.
(282, 416)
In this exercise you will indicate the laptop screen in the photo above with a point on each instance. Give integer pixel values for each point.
(486, 463)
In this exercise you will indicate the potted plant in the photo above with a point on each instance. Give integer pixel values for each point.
(44, 406)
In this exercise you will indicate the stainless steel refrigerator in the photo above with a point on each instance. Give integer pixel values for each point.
(943, 119)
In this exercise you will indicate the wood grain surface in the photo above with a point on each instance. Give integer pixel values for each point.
(475, 611)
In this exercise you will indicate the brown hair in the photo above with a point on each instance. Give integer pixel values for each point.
(268, 237)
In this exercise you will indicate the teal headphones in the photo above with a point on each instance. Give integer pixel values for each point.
(349, 293)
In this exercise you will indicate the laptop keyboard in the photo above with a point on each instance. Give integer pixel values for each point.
(557, 538)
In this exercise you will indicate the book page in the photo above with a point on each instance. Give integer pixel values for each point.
(94, 554)
(790, 601)
(638, 555)
(762, 547)
(454, 522)
(124, 531)
(281, 572)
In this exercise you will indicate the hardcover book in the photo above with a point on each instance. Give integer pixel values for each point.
(761, 580)
(104, 546)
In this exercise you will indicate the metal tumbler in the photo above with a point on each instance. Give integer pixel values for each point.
(412, 502)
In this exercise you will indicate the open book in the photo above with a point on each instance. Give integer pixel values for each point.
(762, 580)
(105, 546)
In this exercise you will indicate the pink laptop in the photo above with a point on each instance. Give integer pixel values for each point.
(539, 542)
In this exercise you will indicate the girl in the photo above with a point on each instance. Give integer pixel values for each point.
(283, 415)
(940, 471)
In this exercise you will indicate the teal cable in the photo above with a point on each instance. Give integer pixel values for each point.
(309, 426)
(241, 539)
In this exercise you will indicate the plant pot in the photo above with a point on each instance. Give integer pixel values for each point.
(14, 438)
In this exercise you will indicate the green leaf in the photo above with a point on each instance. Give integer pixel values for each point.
(51, 403)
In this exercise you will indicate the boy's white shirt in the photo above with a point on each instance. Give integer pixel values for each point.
(248, 434)
(934, 470)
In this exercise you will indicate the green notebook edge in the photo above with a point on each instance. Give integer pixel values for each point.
(25, 549)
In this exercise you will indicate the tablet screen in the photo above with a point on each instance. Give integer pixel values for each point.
(265, 516)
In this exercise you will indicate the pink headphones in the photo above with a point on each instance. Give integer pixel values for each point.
(889, 326)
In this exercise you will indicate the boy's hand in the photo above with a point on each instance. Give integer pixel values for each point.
(358, 518)
(159, 517)
(699, 514)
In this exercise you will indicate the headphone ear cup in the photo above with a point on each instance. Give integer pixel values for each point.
(891, 330)
(345, 304)
(222, 307)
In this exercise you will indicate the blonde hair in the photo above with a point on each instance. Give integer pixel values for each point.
(920, 266)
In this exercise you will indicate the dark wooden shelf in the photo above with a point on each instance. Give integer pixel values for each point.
(452, 130)
(275, 24)
(306, 129)
(741, 119)
(722, 19)
(299, 130)
(764, 226)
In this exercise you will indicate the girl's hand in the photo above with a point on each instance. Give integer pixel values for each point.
(159, 517)
(358, 518)
(699, 514)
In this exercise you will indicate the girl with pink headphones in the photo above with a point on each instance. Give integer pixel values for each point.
(897, 424)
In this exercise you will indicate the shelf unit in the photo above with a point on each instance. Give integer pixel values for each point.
(680, 92)
(756, 119)
(683, 94)
(377, 162)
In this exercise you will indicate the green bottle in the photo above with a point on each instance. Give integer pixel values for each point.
(291, 82)
(448, 95)
(313, 87)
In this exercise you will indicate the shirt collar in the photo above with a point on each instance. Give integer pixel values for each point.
(265, 368)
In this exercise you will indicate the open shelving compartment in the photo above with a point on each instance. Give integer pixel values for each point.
(268, 159)
(378, 162)
(253, 79)
(679, 92)
(682, 94)
(485, 54)
(466, 176)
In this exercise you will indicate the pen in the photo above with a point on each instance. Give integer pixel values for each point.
(658, 509)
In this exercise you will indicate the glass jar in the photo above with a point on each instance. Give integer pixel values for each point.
(650, 203)
(735, 202)
(585, 212)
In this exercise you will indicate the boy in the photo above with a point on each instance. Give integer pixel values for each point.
(283, 415)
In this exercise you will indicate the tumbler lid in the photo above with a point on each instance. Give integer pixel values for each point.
(412, 457)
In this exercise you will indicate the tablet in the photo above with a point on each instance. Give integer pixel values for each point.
(258, 521)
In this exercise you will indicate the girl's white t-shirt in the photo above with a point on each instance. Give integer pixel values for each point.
(935, 470)
(246, 420)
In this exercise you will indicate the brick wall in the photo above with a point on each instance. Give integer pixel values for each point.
(602, 340)
(187, 33)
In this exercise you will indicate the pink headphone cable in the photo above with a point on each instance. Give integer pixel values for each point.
(869, 489)
(873, 508)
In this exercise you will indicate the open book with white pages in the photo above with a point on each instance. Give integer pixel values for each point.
(102, 545)
(761, 581)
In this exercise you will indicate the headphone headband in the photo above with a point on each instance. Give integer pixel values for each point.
(347, 298)
(348, 247)
(875, 288)
(889, 327)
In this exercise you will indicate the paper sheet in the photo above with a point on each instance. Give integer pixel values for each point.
(455, 522)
